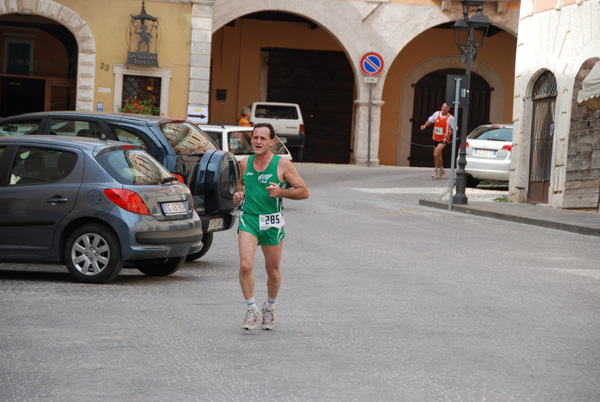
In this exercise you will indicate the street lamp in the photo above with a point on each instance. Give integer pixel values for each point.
(469, 35)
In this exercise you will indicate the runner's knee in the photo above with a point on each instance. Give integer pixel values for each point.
(246, 267)
(273, 272)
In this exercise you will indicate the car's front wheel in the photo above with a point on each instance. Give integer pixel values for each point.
(207, 240)
(93, 254)
(161, 267)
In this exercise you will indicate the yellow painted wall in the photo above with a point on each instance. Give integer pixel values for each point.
(498, 51)
(236, 59)
(109, 24)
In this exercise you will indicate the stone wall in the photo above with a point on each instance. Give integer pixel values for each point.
(582, 181)
(560, 41)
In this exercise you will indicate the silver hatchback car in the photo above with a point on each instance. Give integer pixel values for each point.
(489, 153)
(93, 205)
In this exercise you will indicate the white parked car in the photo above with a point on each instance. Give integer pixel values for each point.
(488, 153)
(286, 119)
(236, 139)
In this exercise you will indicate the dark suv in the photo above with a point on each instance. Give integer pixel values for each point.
(179, 145)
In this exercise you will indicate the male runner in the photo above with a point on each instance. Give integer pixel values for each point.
(443, 123)
(264, 181)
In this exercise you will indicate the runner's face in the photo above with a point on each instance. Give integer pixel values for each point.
(445, 108)
(261, 140)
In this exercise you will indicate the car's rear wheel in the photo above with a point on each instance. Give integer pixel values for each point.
(207, 240)
(160, 267)
(472, 182)
(93, 254)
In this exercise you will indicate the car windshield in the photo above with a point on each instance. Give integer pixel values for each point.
(278, 148)
(186, 138)
(133, 167)
(276, 112)
(492, 134)
(239, 143)
(20, 127)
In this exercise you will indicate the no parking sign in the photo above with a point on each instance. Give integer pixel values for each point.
(371, 64)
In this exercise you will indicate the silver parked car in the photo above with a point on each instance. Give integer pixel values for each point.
(92, 205)
(489, 153)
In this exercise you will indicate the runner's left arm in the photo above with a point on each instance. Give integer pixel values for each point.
(299, 191)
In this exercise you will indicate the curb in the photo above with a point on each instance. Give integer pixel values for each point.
(541, 222)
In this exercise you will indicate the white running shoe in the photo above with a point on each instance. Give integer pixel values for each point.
(250, 320)
(268, 319)
(435, 174)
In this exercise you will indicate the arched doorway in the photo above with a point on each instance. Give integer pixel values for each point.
(430, 94)
(39, 65)
(542, 134)
(283, 57)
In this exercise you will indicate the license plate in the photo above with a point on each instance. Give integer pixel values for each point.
(484, 152)
(216, 224)
(174, 208)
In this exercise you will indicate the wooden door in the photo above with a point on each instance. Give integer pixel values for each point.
(542, 134)
(322, 83)
(430, 94)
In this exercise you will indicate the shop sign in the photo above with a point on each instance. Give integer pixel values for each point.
(143, 39)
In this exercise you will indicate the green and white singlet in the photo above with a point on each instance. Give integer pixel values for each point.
(261, 214)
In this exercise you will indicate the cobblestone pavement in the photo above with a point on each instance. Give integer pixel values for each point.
(382, 300)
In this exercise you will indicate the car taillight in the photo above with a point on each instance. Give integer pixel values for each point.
(467, 145)
(178, 177)
(507, 147)
(128, 200)
(301, 129)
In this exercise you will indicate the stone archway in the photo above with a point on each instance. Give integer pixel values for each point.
(299, 63)
(427, 67)
(86, 57)
(430, 93)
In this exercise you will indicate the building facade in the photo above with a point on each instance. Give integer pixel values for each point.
(556, 144)
(206, 59)
(214, 57)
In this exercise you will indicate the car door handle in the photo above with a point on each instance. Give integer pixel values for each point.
(57, 200)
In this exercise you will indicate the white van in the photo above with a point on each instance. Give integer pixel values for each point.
(286, 119)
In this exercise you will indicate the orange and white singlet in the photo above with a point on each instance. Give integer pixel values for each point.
(441, 125)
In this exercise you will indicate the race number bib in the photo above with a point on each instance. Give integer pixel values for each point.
(271, 221)
(438, 131)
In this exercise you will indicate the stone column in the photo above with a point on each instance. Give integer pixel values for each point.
(198, 94)
(364, 156)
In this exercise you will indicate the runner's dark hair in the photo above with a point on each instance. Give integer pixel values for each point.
(268, 125)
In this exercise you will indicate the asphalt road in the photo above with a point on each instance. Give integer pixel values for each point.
(382, 300)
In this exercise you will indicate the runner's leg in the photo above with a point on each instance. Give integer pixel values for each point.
(247, 246)
(272, 261)
(437, 156)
